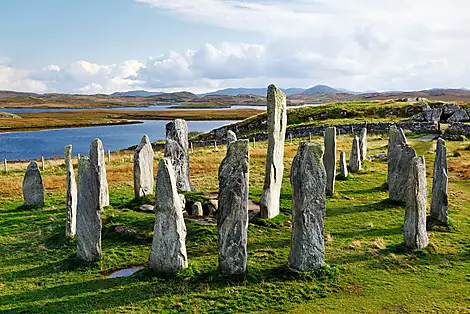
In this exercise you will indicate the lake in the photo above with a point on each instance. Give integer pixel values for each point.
(51, 143)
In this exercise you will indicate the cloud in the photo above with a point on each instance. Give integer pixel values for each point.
(18, 80)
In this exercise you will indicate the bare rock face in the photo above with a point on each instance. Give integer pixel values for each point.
(143, 168)
(449, 109)
(329, 159)
(168, 253)
(433, 115)
(98, 162)
(277, 124)
(232, 218)
(231, 137)
(342, 165)
(176, 148)
(416, 236)
(399, 163)
(33, 187)
(363, 144)
(71, 196)
(355, 158)
(440, 203)
(460, 115)
(396, 137)
(88, 212)
(309, 180)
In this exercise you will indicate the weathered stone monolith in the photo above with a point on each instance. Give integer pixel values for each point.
(71, 194)
(439, 203)
(176, 149)
(98, 162)
(168, 253)
(363, 144)
(343, 166)
(329, 159)
(396, 137)
(308, 180)
(232, 218)
(88, 212)
(33, 187)
(277, 123)
(355, 158)
(416, 236)
(231, 137)
(143, 168)
(399, 162)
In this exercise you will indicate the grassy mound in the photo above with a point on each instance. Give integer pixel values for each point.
(7, 115)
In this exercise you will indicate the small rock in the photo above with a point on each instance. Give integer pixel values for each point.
(147, 208)
(197, 209)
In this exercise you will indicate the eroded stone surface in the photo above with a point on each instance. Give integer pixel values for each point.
(168, 253)
(440, 203)
(143, 168)
(396, 137)
(231, 137)
(88, 212)
(232, 218)
(416, 236)
(277, 123)
(33, 187)
(98, 162)
(71, 194)
(343, 166)
(460, 115)
(399, 162)
(355, 163)
(363, 144)
(329, 159)
(308, 179)
(176, 149)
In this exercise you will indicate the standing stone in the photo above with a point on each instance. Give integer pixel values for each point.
(342, 165)
(355, 157)
(396, 137)
(399, 162)
(43, 163)
(232, 218)
(71, 196)
(439, 203)
(176, 148)
(416, 236)
(88, 212)
(168, 253)
(231, 137)
(143, 168)
(363, 144)
(98, 162)
(197, 209)
(277, 124)
(309, 181)
(33, 188)
(5, 165)
(329, 159)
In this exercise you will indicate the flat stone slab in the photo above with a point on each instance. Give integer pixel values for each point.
(428, 137)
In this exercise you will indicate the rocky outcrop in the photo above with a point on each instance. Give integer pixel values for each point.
(277, 123)
(308, 180)
(460, 115)
(232, 218)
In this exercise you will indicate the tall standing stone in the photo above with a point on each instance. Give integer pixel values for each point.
(143, 168)
(97, 160)
(363, 144)
(416, 236)
(439, 203)
(176, 148)
(309, 181)
(277, 124)
(168, 253)
(329, 159)
(355, 158)
(399, 163)
(396, 137)
(232, 218)
(231, 137)
(343, 168)
(33, 187)
(71, 196)
(88, 212)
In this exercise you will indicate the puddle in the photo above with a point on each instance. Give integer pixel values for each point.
(126, 272)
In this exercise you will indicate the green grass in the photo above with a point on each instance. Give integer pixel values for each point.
(367, 268)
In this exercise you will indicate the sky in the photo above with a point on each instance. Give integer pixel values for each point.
(104, 46)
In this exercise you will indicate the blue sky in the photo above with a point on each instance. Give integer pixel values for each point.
(92, 46)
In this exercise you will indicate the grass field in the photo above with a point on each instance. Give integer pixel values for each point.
(367, 270)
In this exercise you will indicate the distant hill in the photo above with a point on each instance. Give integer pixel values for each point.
(321, 89)
(136, 93)
(253, 91)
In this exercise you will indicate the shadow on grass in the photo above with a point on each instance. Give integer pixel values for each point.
(379, 206)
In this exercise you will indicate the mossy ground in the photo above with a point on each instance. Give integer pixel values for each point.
(367, 271)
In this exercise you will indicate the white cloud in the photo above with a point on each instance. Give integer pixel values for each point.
(18, 80)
